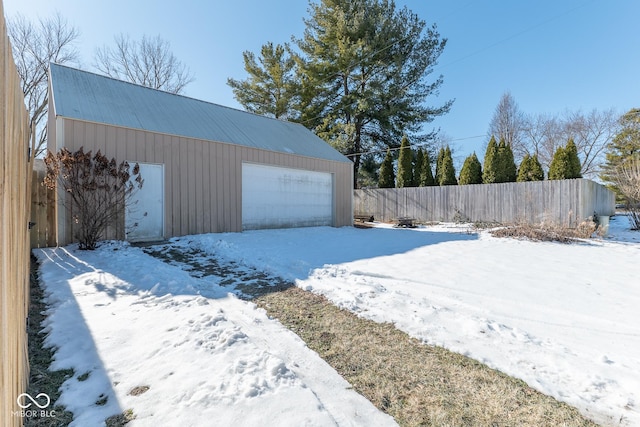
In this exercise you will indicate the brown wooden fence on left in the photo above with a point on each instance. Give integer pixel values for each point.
(15, 191)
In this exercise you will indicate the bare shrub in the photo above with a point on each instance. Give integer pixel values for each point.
(627, 177)
(547, 233)
(96, 190)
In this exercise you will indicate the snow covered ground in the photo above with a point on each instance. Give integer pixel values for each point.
(564, 318)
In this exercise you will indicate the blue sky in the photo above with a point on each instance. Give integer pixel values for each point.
(552, 55)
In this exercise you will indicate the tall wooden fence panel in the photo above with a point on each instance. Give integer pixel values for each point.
(15, 185)
(42, 209)
(563, 202)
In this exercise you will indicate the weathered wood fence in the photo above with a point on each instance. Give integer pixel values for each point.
(15, 189)
(563, 202)
(42, 209)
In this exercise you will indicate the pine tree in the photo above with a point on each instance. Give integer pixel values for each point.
(471, 172)
(559, 164)
(390, 90)
(417, 167)
(405, 164)
(490, 167)
(506, 171)
(426, 176)
(272, 86)
(448, 172)
(575, 167)
(387, 176)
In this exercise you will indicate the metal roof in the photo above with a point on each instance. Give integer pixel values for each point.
(91, 97)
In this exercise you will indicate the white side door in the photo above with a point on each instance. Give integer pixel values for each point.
(144, 216)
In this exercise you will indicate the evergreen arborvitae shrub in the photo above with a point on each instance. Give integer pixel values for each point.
(471, 172)
(387, 176)
(537, 173)
(565, 163)
(490, 167)
(530, 169)
(417, 167)
(448, 172)
(506, 171)
(405, 164)
(440, 159)
(524, 169)
(573, 161)
(559, 164)
(426, 176)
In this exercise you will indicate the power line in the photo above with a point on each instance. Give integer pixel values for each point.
(411, 146)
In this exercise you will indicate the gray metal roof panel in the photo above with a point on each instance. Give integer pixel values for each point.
(91, 97)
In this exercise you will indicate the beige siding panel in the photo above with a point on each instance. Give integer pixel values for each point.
(203, 185)
(226, 183)
(78, 135)
(149, 147)
(183, 194)
(219, 201)
(199, 196)
(213, 190)
(113, 141)
(207, 186)
(173, 204)
(101, 137)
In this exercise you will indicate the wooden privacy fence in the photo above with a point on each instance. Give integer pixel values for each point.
(42, 209)
(563, 202)
(15, 186)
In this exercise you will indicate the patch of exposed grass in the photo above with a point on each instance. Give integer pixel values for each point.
(41, 379)
(120, 419)
(138, 390)
(84, 376)
(417, 384)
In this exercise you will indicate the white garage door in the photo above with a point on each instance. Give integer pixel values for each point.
(275, 197)
(144, 216)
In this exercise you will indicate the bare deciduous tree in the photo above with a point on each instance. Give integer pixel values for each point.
(97, 190)
(148, 62)
(509, 124)
(627, 178)
(591, 133)
(544, 134)
(35, 46)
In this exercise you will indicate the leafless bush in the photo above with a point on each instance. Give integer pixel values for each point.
(547, 233)
(96, 190)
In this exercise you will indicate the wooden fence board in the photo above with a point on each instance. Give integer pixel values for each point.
(42, 232)
(564, 202)
(15, 180)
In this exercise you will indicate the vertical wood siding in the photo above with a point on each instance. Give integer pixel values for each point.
(564, 202)
(203, 191)
(15, 179)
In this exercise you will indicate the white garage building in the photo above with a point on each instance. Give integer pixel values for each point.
(207, 168)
